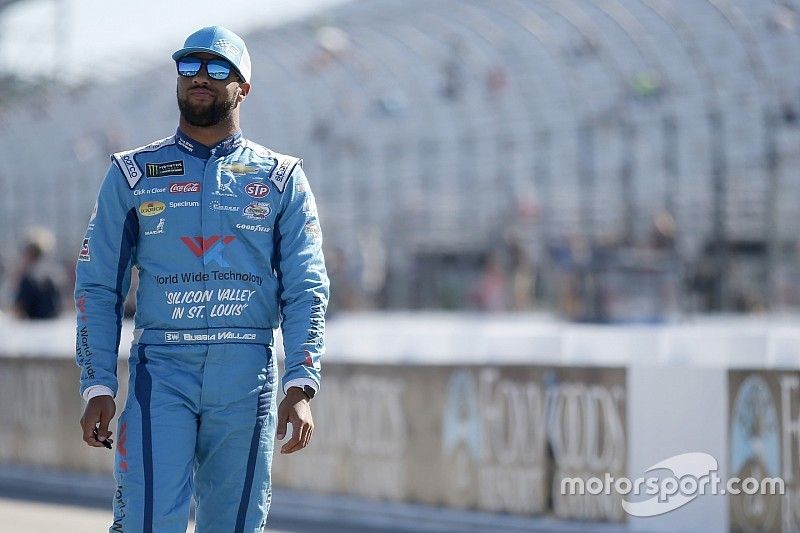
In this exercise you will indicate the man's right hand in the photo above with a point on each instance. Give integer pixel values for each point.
(100, 410)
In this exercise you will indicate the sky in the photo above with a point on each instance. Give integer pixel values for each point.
(70, 38)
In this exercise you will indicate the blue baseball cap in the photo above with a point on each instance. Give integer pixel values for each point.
(222, 42)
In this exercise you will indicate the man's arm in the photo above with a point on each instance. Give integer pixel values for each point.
(303, 285)
(103, 275)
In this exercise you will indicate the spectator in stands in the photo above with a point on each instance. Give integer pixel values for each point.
(662, 233)
(37, 294)
(345, 294)
(496, 80)
(453, 71)
(523, 277)
(491, 292)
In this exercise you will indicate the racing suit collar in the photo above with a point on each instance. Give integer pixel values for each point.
(192, 147)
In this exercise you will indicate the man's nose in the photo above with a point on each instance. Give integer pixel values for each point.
(202, 76)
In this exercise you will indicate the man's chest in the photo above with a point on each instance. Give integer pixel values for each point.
(184, 201)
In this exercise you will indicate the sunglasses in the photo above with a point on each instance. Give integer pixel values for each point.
(218, 69)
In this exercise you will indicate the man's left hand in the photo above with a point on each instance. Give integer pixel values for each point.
(295, 409)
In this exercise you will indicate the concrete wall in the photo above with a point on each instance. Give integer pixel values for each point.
(478, 413)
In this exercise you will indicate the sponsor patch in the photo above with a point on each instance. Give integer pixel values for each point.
(225, 185)
(239, 169)
(154, 190)
(209, 248)
(84, 253)
(128, 161)
(171, 336)
(257, 211)
(151, 209)
(253, 227)
(280, 172)
(184, 204)
(216, 206)
(122, 450)
(159, 170)
(185, 145)
(312, 230)
(310, 206)
(184, 187)
(80, 306)
(158, 230)
(256, 189)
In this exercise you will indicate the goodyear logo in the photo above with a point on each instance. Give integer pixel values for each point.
(151, 209)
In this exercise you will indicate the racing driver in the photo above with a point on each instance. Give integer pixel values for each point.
(226, 239)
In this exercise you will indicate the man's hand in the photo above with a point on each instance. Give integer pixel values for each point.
(295, 409)
(100, 410)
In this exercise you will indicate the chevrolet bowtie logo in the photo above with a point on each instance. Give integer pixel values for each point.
(210, 249)
(240, 168)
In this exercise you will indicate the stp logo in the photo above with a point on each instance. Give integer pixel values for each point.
(210, 249)
(184, 186)
(256, 189)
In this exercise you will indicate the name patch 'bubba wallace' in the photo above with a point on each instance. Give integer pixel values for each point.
(223, 238)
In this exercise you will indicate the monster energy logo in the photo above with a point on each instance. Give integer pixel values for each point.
(159, 170)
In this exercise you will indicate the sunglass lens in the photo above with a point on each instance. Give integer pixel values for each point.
(189, 66)
(219, 70)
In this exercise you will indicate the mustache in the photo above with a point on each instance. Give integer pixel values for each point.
(208, 115)
(208, 89)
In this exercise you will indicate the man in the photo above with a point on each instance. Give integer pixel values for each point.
(38, 292)
(225, 236)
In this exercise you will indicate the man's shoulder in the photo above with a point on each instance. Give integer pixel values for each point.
(127, 161)
(282, 164)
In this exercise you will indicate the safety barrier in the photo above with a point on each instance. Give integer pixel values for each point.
(472, 412)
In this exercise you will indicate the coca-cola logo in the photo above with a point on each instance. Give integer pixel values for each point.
(256, 189)
(185, 186)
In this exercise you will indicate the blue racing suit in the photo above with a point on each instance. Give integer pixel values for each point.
(227, 244)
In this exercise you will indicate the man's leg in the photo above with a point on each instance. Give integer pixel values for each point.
(155, 440)
(235, 439)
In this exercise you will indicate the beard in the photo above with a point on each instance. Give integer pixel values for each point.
(206, 115)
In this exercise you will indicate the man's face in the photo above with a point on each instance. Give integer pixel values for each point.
(204, 101)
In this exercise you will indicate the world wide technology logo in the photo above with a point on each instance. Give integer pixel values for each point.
(209, 248)
(689, 475)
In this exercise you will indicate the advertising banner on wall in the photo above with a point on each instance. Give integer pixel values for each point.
(40, 411)
(493, 438)
(764, 439)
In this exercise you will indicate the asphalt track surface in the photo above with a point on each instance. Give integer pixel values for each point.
(68, 514)
(50, 517)
(37, 516)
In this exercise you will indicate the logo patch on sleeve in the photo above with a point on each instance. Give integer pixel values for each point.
(84, 253)
(159, 170)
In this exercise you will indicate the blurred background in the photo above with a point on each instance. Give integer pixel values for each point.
(602, 161)
(610, 162)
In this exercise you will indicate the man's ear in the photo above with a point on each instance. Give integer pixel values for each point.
(245, 89)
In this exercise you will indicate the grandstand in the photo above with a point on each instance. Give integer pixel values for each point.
(435, 132)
